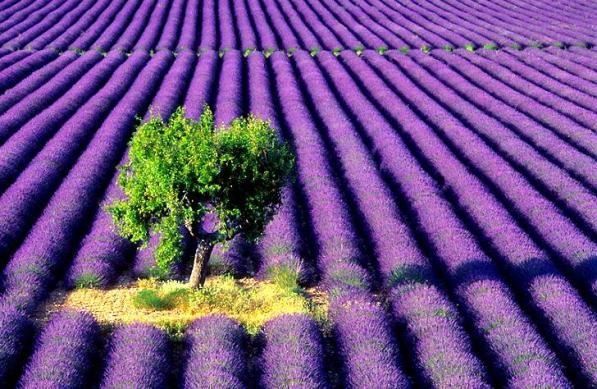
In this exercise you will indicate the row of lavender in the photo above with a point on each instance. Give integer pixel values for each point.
(450, 263)
(64, 354)
(286, 24)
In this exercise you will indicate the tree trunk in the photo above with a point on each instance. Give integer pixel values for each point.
(199, 272)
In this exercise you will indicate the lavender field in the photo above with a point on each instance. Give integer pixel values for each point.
(445, 197)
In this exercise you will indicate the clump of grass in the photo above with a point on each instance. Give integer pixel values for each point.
(268, 52)
(286, 277)
(248, 51)
(490, 46)
(76, 50)
(470, 47)
(336, 51)
(314, 51)
(381, 50)
(407, 275)
(358, 49)
(172, 305)
(87, 281)
(404, 49)
(448, 48)
(426, 49)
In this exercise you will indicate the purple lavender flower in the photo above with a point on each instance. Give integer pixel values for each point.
(64, 354)
(292, 354)
(138, 357)
(215, 354)
(16, 333)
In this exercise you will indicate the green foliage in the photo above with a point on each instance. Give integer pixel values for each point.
(426, 49)
(248, 51)
(87, 281)
(404, 49)
(182, 170)
(470, 47)
(286, 277)
(268, 52)
(156, 300)
(359, 49)
(336, 51)
(314, 51)
(406, 275)
(448, 48)
(381, 50)
(490, 46)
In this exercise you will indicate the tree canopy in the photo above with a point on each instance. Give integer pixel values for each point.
(182, 171)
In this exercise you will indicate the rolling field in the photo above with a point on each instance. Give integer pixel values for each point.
(445, 196)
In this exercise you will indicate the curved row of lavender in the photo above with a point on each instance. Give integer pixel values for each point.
(286, 24)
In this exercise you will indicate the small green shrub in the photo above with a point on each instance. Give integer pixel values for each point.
(336, 51)
(490, 46)
(381, 50)
(285, 277)
(406, 275)
(248, 51)
(76, 50)
(87, 281)
(448, 48)
(470, 47)
(314, 51)
(152, 299)
(404, 49)
(426, 49)
(358, 49)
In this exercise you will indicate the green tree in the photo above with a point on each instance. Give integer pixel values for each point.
(181, 172)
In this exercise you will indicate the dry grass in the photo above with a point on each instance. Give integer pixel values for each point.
(172, 305)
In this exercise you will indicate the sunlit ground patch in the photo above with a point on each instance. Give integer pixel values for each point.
(172, 305)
